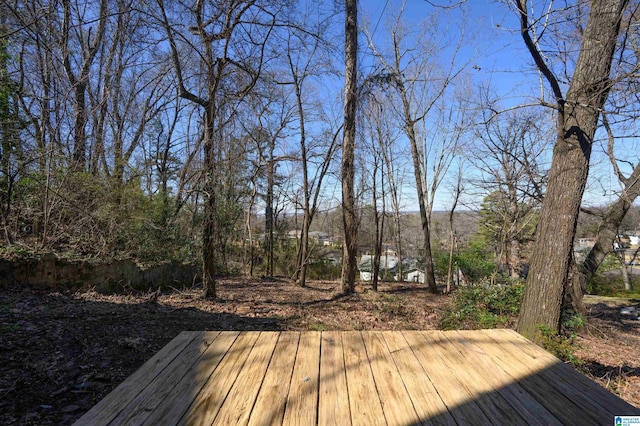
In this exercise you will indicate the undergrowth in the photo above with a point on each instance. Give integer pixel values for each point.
(561, 345)
(487, 306)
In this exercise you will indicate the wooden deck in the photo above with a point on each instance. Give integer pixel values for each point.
(361, 378)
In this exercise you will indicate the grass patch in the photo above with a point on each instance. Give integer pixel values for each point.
(317, 326)
(488, 306)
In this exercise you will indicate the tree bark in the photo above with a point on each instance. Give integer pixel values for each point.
(349, 219)
(429, 273)
(210, 255)
(577, 121)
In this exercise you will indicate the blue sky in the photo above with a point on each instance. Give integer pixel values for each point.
(497, 57)
(494, 52)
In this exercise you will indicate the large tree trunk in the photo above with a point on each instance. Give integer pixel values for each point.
(349, 248)
(210, 248)
(577, 121)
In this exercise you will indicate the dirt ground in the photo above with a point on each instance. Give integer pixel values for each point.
(61, 353)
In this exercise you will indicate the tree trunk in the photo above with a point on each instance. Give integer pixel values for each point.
(577, 121)
(625, 272)
(79, 133)
(268, 220)
(424, 218)
(377, 251)
(209, 234)
(349, 248)
(7, 136)
(304, 251)
(452, 233)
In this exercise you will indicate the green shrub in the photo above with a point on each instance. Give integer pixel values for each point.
(611, 284)
(475, 261)
(560, 345)
(487, 306)
(323, 270)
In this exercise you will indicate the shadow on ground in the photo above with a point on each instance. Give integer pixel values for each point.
(61, 353)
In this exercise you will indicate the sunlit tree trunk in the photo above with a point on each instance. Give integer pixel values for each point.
(578, 114)
(349, 218)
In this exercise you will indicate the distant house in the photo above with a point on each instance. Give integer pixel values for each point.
(389, 263)
(626, 246)
(294, 234)
(415, 276)
(365, 266)
(320, 237)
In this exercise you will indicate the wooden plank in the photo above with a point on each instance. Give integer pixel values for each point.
(139, 408)
(302, 402)
(271, 401)
(177, 402)
(455, 394)
(333, 401)
(111, 405)
(426, 400)
(595, 401)
(396, 403)
(498, 380)
(236, 408)
(484, 395)
(207, 403)
(364, 402)
(606, 402)
(528, 374)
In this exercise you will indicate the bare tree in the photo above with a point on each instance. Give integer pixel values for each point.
(349, 216)
(274, 113)
(508, 153)
(418, 80)
(9, 128)
(78, 68)
(229, 40)
(375, 136)
(305, 61)
(457, 192)
(577, 116)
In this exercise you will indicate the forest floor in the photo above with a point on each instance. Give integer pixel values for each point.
(61, 353)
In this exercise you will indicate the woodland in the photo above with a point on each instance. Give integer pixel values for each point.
(272, 143)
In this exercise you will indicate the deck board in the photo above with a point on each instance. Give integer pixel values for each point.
(303, 394)
(396, 403)
(333, 402)
(238, 404)
(427, 401)
(364, 402)
(454, 393)
(352, 377)
(489, 398)
(272, 399)
(500, 381)
(178, 400)
(207, 402)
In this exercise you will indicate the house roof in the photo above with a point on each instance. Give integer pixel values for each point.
(365, 264)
